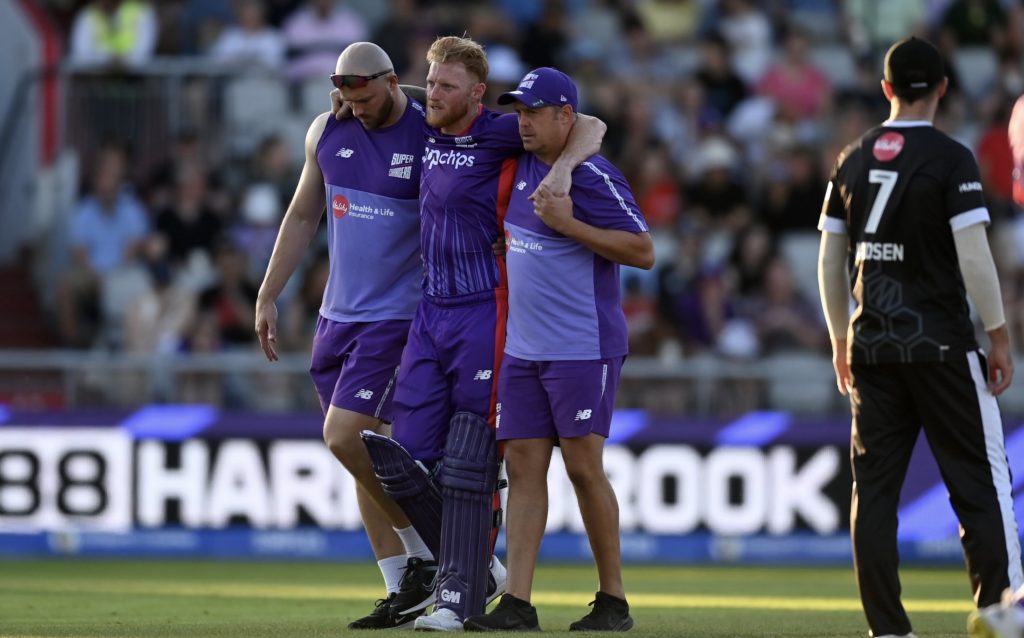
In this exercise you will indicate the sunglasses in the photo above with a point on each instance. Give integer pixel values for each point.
(356, 81)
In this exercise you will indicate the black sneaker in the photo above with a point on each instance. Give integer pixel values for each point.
(609, 614)
(416, 589)
(383, 617)
(510, 614)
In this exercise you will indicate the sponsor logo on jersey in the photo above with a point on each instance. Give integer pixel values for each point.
(521, 185)
(364, 394)
(967, 187)
(339, 206)
(583, 415)
(466, 141)
(344, 152)
(455, 159)
(888, 146)
(482, 375)
(878, 251)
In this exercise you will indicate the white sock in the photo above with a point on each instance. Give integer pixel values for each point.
(414, 545)
(392, 568)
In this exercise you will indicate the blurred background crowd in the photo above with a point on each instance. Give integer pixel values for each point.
(188, 116)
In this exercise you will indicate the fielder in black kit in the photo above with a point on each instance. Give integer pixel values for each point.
(904, 219)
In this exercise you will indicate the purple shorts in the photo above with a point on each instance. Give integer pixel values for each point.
(556, 399)
(450, 365)
(354, 364)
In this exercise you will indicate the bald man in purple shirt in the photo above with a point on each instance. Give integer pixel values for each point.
(365, 171)
(565, 345)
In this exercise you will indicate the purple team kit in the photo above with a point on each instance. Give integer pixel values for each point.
(566, 336)
(372, 183)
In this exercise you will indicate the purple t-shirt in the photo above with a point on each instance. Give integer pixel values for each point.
(463, 195)
(372, 182)
(563, 298)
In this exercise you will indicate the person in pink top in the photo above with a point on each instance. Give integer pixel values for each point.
(799, 89)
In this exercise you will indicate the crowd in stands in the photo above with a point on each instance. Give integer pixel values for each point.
(725, 115)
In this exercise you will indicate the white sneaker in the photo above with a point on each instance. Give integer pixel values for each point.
(441, 620)
(497, 579)
(1004, 620)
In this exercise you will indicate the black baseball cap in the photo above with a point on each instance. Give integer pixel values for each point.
(915, 65)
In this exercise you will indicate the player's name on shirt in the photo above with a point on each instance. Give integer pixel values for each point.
(878, 251)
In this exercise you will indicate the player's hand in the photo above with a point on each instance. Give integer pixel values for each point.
(339, 108)
(498, 247)
(554, 210)
(266, 327)
(1000, 361)
(557, 181)
(842, 367)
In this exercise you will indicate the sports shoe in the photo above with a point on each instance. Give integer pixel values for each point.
(416, 589)
(441, 620)
(383, 617)
(497, 579)
(1002, 620)
(510, 614)
(910, 635)
(608, 614)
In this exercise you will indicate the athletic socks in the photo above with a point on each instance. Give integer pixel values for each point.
(414, 545)
(392, 568)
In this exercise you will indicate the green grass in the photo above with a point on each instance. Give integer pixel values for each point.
(155, 598)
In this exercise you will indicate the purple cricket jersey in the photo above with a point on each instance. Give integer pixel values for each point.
(463, 194)
(372, 183)
(564, 301)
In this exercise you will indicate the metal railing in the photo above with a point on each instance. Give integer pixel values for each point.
(244, 379)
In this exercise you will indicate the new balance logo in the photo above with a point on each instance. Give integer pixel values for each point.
(582, 415)
(521, 185)
(482, 375)
(368, 394)
(453, 597)
(344, 152)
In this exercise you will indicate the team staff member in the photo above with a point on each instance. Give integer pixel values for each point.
(905, 213)
(367, 171)
(566, 341)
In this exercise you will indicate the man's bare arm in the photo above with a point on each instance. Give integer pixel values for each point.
(297, 230)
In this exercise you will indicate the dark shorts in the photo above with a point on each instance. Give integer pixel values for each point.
(556, 399)
(450, 365)
(354, 364)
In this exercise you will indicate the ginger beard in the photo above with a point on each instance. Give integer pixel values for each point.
(449, 94)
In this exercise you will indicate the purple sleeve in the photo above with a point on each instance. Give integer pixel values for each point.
(602, 198)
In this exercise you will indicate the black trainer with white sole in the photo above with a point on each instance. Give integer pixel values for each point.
(416, 589)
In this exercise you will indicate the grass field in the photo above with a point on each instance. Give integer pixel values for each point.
(155, 598)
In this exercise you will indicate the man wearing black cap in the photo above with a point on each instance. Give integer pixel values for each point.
(904, 217)
(564, 346)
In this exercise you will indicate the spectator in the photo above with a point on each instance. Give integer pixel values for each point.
(115, 33)
(300, 316)
(784, 318)
(799, 89)
(232, 299)
(545, 37)
(315, 34)
(251, 42)
(995, 160)
(157, 320)
(396, 34)
(749, 34)
(723, 88)
(715, 198)
(189, 225)
(106, 231)
(976, 23)
(871, 26)
(794, 192)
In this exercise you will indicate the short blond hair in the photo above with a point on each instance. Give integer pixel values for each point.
(465, 51)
